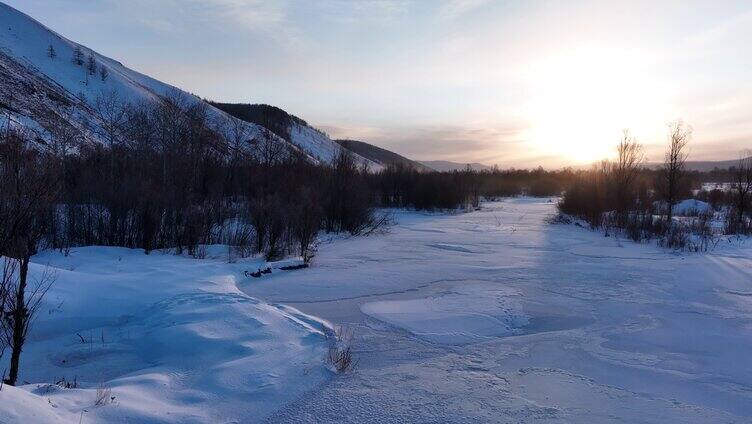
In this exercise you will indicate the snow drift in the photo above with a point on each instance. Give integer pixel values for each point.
(171, 338)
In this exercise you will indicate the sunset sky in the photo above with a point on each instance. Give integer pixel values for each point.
(513, 83)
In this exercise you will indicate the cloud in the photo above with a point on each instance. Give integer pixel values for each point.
(733, 27)
(443, 142)
(158, 25)
(254, 15)
(453, 9)
(363, 11)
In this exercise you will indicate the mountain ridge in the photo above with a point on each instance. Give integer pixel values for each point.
(379, 154)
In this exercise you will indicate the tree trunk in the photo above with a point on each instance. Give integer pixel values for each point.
(19, 322)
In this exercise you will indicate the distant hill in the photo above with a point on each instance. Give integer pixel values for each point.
(446, 166)
(701, 165)
(290, 128)
(379, 155)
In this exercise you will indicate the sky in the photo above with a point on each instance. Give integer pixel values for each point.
(513, 83)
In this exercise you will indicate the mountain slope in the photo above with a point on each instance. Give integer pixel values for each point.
(49, 93)
(379, 155)
(291, 128)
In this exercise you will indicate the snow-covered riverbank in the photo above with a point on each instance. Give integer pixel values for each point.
(171, 337)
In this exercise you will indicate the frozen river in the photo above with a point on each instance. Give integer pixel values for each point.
(499, 316)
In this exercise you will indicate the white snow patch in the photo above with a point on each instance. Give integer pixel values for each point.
(687, 207)
(171, 336)
(447, 318)
(319, 146)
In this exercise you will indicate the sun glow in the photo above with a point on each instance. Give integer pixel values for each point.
(582, 99)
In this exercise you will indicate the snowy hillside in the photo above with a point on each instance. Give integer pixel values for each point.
(319, 145)
(46, 91)
(296, 131)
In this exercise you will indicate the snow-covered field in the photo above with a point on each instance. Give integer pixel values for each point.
(491, 316)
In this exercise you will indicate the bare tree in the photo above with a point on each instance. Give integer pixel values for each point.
(103, 73)
(269, 149)
(6, 286)
(51, 53)
(276, 230)
(113, 116)
(21, 307)
(625, 171)
(27, 192)
(305, 222)
(675, 158)
(259, 218)
(742, 186)
(64, 135)
(238, 136)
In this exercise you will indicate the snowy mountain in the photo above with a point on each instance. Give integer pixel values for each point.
(49, 84)
(295, 130)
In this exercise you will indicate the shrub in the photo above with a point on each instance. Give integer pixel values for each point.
(340, 352)
(103, 396)
(544, 187)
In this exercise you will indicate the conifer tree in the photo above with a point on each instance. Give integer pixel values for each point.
(78, 56)
(91, 65)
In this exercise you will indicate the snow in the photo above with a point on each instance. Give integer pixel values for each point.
(687, 207)
(320, 146)
(171, 336)
(446, 318)
(692, 207)
(490, 316)
(27, 40)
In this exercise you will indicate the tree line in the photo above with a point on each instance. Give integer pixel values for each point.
(622, 195)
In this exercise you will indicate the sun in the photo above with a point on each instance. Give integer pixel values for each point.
(581, 100)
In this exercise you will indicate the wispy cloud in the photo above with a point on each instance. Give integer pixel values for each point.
(363, 11)
(158, 25)
(453, 9)
(442, 142)
(732, 27)
(253, 14)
